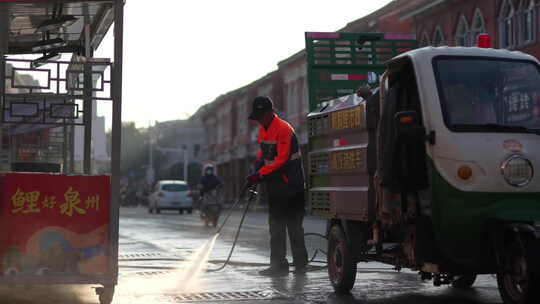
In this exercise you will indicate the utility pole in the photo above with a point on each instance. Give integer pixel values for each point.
(4, 38)
(88, 95)
(151, 141)
(186, 164)
(151, 172)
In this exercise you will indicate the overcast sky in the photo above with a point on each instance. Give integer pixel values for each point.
(179, 55)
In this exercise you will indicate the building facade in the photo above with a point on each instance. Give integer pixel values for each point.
(231, 137)
(512, 24)
(174, 138)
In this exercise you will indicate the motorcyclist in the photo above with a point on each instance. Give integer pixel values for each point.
(209, 201)
(209, 181)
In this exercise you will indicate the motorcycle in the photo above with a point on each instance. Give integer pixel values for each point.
(210, 207)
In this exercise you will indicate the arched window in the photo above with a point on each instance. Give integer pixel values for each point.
(528, 21)
(438, 37)
(425, 40)
(506, 21)
(478, 25)
(462, 32)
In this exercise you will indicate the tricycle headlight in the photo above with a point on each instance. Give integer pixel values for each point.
(517, 171)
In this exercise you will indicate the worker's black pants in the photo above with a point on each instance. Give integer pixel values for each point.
(286, 214)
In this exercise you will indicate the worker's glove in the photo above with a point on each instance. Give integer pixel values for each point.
(254, 178)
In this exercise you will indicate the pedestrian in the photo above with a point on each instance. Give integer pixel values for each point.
(279, 165)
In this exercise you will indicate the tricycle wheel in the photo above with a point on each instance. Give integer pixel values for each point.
(341, 265)
(464, 281)
(105, 294)
(518, 280)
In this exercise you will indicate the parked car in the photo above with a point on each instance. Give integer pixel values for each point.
(170, 195)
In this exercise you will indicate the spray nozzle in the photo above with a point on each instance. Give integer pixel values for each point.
(252, 194)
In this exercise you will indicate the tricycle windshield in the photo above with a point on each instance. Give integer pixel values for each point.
(489, 94)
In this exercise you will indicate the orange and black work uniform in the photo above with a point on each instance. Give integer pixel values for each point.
(280, 166)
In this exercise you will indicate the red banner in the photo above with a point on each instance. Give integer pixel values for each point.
(54, 224)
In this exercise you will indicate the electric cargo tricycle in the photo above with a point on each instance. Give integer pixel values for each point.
(430, 165)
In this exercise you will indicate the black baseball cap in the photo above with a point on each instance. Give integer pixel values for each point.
(261, 105)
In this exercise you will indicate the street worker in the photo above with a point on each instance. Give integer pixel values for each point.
(279, 165)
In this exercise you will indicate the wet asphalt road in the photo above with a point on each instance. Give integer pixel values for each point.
(155, 267)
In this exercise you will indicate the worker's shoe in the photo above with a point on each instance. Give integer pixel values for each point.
(274, 271)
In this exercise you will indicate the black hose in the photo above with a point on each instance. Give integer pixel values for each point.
(240, 197)
(237, 230)
(228, 260)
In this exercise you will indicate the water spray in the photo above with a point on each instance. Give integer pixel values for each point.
(189, 276)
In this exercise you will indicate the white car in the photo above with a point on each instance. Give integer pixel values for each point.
(170, 195)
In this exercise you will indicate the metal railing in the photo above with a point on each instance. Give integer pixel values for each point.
(54, 93)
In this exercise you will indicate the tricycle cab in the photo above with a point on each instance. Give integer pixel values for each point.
(480, 109)
(445, 180)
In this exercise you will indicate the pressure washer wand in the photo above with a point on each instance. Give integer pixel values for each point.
(242, 194)
(253, 193)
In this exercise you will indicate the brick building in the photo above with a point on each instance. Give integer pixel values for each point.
(512, 24)
(231, 138)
